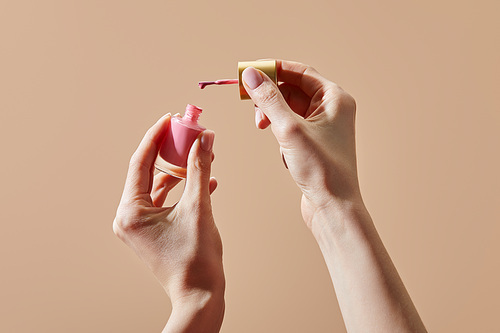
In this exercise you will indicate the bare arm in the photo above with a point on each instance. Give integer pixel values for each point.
(200, 312)
(312, 119)
(370, 292)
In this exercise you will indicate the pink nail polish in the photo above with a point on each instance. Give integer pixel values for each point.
(268, 67)
(181, 134)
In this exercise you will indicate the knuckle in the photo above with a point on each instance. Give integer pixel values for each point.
(116, 229)
(200, 164)
(128, 220)
(346, 102)
(292, 130)
(268, 96)
(341, 101)
(310, 69)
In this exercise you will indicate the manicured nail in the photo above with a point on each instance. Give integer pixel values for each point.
(252, 77)
(207, 140)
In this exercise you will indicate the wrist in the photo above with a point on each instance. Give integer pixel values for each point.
(200, 297)
(198, 311)
(334, 221)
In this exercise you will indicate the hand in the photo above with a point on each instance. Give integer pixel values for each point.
(313, 122)
(180, 244)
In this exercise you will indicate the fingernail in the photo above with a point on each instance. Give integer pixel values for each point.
(252, 77)
(207, 140)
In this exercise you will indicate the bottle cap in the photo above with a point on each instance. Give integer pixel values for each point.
(268, 67)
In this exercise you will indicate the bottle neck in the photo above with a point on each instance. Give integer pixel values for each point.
(192, 113)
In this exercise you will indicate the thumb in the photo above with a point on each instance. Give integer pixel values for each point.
(199, 166)
(267, 97)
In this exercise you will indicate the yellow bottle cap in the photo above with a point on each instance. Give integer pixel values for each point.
(268, 67)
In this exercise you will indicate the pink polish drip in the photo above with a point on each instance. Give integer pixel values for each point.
(203, 84)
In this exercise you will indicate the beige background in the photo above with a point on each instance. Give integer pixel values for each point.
(81, 82)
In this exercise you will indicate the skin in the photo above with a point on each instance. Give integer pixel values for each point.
(313, 120)
(180, 244)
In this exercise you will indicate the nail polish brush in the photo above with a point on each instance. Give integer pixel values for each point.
(203, 84)
(268, 67)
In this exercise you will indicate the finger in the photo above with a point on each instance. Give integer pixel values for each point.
(162, 184)
(303, 76)
(199, 166)
(267, 97)
(296, 98)
(261, 120)
(141, 168)
(212, 185)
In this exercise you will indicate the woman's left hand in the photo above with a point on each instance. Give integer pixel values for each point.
(180, 244)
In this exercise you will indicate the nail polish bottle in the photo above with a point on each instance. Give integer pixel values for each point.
(181, 134)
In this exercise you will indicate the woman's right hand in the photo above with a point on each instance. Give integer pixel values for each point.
(312, 119)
